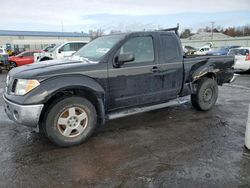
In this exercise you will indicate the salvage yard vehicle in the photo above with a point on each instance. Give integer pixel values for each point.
(60, 51)
(3, 59)
(222, 51)
(114, 76)
(24, 58)
(203, 51)
(242, 58)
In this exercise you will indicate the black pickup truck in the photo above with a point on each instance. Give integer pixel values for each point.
(111, 77)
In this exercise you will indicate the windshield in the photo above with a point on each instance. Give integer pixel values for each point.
(55, 47)
(21, 54)
(99, 47)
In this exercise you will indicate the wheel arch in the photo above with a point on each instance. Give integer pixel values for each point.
(58, 88)
(75, 91)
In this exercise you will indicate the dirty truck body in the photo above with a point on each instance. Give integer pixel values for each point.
(112, 76)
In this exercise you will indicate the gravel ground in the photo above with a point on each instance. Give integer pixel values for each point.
(172, 147)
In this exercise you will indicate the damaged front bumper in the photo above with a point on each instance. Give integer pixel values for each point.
(27, 115)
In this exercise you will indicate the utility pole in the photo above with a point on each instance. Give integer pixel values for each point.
(62, 29)
(212, 30)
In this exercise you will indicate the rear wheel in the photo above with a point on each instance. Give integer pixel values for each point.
(70, 121)
(206, 94)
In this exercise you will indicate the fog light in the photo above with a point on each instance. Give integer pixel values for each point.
(16, 115)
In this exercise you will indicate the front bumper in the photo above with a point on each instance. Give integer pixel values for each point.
(27, 115)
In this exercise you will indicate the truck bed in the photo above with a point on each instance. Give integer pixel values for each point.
(219, 66)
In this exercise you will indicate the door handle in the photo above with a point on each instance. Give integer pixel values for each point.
(155, 69)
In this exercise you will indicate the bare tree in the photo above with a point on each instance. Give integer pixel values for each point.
(95, 34)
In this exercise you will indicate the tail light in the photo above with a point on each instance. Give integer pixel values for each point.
(248, 57)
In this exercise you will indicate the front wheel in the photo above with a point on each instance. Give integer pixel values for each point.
(70, 121)
(12, 65)
(206, 94)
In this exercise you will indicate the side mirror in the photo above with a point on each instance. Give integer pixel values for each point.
(60, 50)
(21, 56)
(124, 58)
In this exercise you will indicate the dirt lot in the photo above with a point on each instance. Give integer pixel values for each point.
(171, 147)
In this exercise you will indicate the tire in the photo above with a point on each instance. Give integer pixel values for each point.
(206, 94)
(70, 121)
(45, 59)
(12, 65)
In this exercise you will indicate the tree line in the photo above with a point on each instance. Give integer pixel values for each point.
(230, 31)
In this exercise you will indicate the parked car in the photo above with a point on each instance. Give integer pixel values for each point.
(2, 51)
(189, 50)
(222, 51)
(242, 58)
(24, 58)
(203, 51)
(114, 76)
(3, 59)
(60, 51)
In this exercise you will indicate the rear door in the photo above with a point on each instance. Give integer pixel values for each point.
(26, 58)
(171, 65)
(137, 82)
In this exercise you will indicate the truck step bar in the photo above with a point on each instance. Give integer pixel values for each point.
(133, 111)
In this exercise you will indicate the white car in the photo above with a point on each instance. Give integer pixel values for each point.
(203, 51)
(242, 58)
(2, 51)
(60, 51)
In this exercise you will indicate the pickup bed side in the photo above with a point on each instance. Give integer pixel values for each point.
(216, 67)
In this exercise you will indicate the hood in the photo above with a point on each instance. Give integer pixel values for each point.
(50, 68)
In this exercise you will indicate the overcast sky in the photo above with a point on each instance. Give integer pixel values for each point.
(80, 15)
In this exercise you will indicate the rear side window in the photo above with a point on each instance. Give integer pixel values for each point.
(27, 54)
(239, 52)
(170, 48)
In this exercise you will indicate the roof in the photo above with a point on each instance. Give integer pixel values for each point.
(42, 33)
(208, 35)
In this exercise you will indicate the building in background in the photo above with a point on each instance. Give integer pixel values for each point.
(37, 40)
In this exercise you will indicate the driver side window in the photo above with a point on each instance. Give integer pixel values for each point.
(27, 54)
(65, 48)
(141, 47)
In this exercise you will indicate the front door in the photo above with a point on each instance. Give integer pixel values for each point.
(138, 82)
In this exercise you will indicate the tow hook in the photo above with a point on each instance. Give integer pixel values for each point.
(234, 78)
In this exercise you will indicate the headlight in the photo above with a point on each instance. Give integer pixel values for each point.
(25, 86)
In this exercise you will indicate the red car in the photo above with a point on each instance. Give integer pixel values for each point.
(24, 58)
